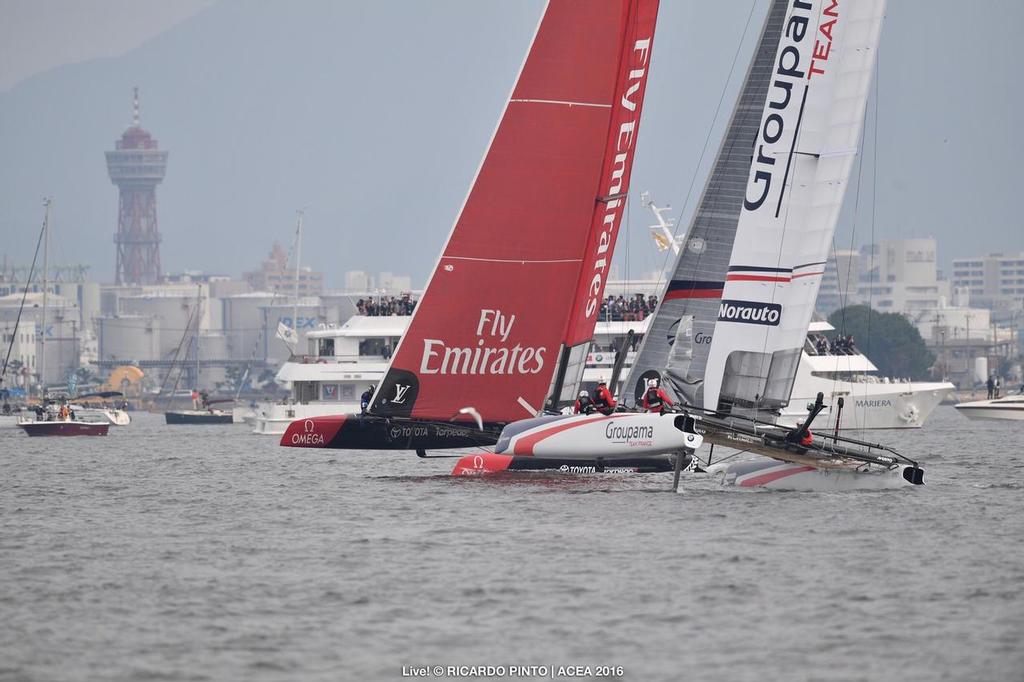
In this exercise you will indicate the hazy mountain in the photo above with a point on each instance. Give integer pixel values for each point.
(374, 117)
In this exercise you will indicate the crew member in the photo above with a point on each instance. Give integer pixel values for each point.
(655, 399)
(604, 401)
(584, 405)
(364, 399)
(65, 413)
(195, 399)
(808, 439)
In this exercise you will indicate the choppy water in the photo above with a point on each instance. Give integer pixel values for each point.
(189, 553)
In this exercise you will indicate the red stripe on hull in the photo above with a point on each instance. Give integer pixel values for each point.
(765, 479)
(526, 444)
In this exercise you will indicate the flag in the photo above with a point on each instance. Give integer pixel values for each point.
(660, 240)
(288, 335)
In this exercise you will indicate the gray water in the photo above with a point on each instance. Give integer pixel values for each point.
(193, 553)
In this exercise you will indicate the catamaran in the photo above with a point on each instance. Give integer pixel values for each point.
(726, 341)
(508, 314)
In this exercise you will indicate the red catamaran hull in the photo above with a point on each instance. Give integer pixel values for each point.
(64, 428)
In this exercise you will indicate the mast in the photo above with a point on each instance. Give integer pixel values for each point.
(47, 202)
(195, 338)
(298, 261)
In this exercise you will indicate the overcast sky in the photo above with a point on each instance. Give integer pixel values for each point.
(36, 35)
(373, 116)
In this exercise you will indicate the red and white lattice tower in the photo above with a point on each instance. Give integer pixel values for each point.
(136, 166)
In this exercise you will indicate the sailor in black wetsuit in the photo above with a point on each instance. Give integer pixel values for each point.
(364, 399)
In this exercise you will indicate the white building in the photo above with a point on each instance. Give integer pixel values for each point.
(995, 281)
(900, 276)
(23, 351)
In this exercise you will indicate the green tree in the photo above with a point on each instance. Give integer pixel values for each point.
(888, 339)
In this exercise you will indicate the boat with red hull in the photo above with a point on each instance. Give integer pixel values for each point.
(64, 428)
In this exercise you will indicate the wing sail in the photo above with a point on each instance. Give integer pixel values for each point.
(514, 283)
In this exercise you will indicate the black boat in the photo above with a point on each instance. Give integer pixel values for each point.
(198, 417)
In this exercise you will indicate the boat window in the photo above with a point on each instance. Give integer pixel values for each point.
(376, 346)
(326, 347)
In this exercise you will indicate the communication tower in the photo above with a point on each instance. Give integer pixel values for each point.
(137, 166)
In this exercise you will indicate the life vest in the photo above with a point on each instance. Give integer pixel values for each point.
(808, 439)
(653, 399)
(584, 405)
(603, 398)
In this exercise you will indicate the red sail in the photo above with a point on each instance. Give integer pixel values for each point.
(498, 307)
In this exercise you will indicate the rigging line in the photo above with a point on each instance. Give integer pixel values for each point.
(707, 141)
(177, 350)
(844, 291)
(17, 321)
(874, 195)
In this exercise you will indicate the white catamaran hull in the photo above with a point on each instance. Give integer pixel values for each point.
(620, 435)
(768, 473)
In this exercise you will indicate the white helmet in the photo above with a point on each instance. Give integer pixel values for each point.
(652, 383)
(584, 394)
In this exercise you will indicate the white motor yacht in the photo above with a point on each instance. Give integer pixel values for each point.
(870, 401)
(339, 365)
(1007, 407)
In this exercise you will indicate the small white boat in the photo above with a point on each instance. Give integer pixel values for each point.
(1008, 407)
(110, 415)
(770, 473)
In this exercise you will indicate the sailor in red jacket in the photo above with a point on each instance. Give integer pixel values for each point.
(603, 399)
(584, 405)
(655, 399)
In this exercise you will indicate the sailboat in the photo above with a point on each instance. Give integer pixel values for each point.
(203, 410)
(727, 337)
(51, 418)
(504, 326)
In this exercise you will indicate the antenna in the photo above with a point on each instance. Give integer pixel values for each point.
(135, 107)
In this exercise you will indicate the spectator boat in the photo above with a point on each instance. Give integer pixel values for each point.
(869, 401)
(88, 409)
(1008, 407)
(48, 421)
(69, 427)
(339, 365)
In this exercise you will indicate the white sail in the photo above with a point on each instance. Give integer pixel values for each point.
(694, 287)
(802, 157)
